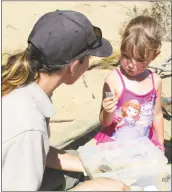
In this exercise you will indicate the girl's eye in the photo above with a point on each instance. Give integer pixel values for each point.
(125, 56)
(140, 60)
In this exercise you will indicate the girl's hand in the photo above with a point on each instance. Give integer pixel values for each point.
(162, 148)
(109, 104)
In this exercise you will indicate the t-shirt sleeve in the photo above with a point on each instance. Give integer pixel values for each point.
(23, 162)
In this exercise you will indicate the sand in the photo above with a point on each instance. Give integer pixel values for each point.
(18, 18)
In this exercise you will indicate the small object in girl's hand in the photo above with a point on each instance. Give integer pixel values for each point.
(104, 168)
(109, 94)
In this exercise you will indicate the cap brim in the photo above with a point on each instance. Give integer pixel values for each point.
(104, 51)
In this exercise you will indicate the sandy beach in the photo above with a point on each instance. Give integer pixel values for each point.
(18, 18)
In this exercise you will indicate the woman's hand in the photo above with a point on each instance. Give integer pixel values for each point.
(101, 184)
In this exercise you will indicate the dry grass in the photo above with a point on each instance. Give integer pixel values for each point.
(159, 10)
(107, 63)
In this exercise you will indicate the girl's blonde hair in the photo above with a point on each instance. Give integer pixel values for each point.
(16, 72)
(142, 34)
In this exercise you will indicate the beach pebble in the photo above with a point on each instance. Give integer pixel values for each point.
(104, 168)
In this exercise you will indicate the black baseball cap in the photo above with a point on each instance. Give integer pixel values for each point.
(62, 36)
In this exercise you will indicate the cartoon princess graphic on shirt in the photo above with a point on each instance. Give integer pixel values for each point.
(134, 119)
(126, 118)
(130, 111)
(147, 113)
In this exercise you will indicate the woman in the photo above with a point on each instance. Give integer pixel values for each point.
(58, 52)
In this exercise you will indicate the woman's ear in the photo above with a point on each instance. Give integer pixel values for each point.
(155, 55)
(73, 67)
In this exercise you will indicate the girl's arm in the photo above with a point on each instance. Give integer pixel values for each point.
(158, 122)
(106, 118)
(106, 113)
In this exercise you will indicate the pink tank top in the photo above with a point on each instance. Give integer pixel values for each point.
(133, 116)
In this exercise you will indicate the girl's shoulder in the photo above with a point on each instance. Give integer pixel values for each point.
(113, 81)
(157, 80)
(112, 77)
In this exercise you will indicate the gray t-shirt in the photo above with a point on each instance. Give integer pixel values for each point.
(25, 137)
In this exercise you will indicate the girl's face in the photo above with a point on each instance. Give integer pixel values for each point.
(131, 112)
(135, 66)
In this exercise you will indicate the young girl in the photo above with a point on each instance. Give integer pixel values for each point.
(135, 109)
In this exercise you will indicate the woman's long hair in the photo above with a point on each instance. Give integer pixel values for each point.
(20, 69)
(23, 68)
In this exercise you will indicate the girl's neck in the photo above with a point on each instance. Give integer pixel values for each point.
(139, 77)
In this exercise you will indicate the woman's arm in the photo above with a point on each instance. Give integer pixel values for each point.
(23, 161)
(158, 122)
(61, 160)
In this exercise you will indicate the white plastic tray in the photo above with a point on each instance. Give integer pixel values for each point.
(130, 160)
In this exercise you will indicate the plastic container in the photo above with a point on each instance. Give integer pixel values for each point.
(158, 180)
(131, 161)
